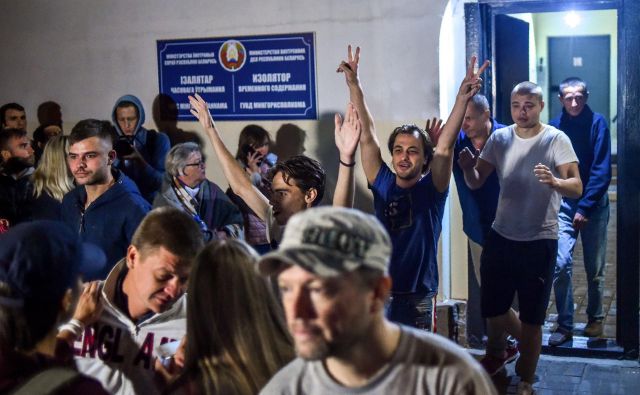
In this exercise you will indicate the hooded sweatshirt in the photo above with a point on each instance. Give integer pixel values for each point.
(591, 139)
(153, 147)
(108, 222)
(121, 353)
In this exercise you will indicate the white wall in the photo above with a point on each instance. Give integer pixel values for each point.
(85, 54)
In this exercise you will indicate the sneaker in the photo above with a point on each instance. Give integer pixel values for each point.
(559, 336)
(493, 364)
(593, 329)
(525, 388)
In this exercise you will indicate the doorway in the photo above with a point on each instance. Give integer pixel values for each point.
(587, 57)
(486, 24)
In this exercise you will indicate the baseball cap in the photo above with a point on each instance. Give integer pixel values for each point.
(40, 260)
(329, 241)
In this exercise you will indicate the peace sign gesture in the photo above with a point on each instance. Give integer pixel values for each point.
(472, 82)
(350, 67)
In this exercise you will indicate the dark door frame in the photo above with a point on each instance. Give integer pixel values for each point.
(479, 38)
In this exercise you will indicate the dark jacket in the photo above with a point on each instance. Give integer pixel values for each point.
(109, 221)
(152, 145)
(16, 198)
(17, 368)
(591, 140)
(46, 207)
(214, 208)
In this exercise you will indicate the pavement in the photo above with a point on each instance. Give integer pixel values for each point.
(571, 375)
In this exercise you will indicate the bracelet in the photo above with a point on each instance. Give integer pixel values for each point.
(74, 326)
(347, 164)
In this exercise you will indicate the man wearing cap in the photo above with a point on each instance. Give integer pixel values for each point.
(332, 274)
(143, 305)
(39, 284)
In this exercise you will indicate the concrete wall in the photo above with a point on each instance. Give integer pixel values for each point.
(84, 55)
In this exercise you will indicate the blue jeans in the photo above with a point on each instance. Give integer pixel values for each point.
(594, 246)
(413, 310)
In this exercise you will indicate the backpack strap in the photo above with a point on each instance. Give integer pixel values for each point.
(48, 381)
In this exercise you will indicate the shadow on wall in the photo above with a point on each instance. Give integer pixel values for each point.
(289, 141)
(165, 115)
(327, 154)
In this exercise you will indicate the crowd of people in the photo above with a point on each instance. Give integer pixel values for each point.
(124, 270)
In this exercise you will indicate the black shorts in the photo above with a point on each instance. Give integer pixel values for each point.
(508, 267)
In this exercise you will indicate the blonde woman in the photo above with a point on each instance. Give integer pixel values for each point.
(51, 180)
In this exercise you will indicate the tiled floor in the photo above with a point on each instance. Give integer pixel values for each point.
(567, 375)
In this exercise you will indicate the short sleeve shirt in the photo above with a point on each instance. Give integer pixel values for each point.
(527, 209)
(413, 218)
(423, 364)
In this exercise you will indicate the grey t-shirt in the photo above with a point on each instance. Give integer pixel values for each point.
(527, 209)
(423, 363)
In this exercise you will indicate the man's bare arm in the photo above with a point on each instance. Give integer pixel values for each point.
(347, 136)
(234, 173)
(370, 154)
(568, 184)
(442, 164)
(476, 170)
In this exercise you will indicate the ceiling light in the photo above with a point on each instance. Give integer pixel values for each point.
(572, 19)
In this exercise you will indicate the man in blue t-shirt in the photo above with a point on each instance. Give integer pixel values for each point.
(410, 200)
(479, 206)
(588, 215)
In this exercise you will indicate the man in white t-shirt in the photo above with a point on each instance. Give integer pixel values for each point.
(536, 166)
(332, 268)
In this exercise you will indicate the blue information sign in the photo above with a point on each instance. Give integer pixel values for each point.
(242, 78)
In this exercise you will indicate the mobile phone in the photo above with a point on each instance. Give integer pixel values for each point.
(166, 351)
(249, 150)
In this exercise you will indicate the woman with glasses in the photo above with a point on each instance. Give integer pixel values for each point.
(186, 187)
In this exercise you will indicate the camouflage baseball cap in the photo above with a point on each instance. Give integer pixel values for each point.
(328, 241)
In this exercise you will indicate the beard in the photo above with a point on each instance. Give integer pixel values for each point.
(17, 165)
(316, 352)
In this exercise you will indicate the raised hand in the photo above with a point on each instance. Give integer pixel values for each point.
(472, 82)
(350, 67)
(467, 159)
(545, 176)
(254, 160)
(200, 110)
(434, 129)
(347, 133)
(89, 305)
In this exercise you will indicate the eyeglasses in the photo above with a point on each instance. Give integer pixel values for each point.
(202, 164)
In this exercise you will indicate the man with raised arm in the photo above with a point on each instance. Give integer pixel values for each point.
(410, 201)
(536, 166)
(297, 183)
